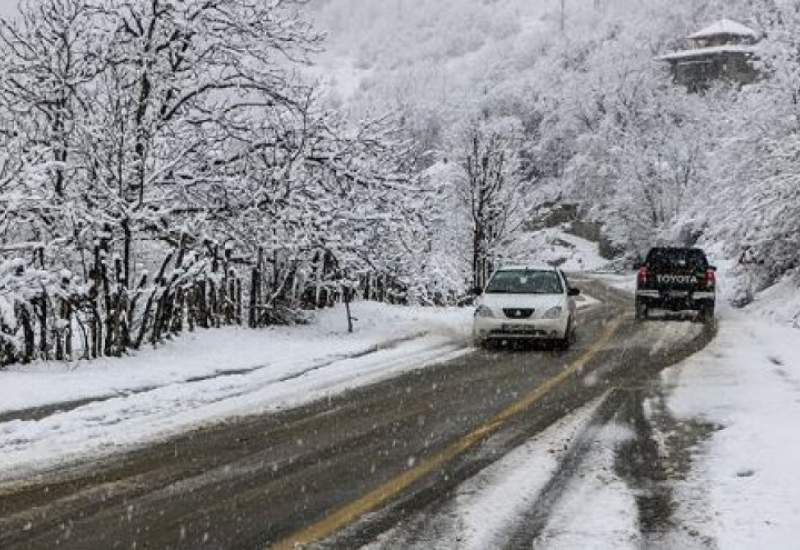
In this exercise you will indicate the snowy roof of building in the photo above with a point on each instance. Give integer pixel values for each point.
(702, 52)
(724, 27)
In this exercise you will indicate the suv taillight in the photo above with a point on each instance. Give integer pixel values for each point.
(711, 278)
(644, 273)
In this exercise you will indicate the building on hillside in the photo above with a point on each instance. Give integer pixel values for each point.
(723, 50)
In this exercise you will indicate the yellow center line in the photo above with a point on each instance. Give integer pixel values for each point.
(349, 513)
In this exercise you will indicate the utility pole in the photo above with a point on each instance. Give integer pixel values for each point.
(562, 15)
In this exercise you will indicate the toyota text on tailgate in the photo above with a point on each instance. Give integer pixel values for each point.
(676, 279)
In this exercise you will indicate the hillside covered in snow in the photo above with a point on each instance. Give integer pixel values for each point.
(599, 122)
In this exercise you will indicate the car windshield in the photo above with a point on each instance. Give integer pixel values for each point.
(673, 258)
(525, 282)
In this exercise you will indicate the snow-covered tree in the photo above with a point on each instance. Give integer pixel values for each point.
(160, 150)
(491, 187)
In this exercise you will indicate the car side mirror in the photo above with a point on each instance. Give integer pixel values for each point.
(574, 292)
(712, 267)
(477, 291)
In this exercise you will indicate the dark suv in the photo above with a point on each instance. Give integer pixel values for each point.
(676, 279)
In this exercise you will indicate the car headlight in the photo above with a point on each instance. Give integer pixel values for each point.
(483, 311)
(553, 313)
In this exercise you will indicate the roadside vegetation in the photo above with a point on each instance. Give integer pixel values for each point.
(163, 166)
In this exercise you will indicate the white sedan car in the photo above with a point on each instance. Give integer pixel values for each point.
(526, 303)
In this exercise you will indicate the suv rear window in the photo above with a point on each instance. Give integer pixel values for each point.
(676, 258)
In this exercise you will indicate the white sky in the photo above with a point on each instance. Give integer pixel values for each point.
(8, 7)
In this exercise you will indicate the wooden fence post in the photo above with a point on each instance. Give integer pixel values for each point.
(94, 296)
(27, 333)
(191, 294)
(202, 303)
(41, 302)
(255, 297)
(238, 293)
(177, 311)
(158, 281)
(212, 303)
(66, 317)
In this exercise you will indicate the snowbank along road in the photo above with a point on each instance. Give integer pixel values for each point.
(387, 465)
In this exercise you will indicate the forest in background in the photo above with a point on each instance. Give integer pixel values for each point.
(174, 164)
(601, 126)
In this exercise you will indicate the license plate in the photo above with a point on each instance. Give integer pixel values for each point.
(677, 294)
(518, 328)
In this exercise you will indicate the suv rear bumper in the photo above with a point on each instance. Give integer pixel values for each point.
(676, 300)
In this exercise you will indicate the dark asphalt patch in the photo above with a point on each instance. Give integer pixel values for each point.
(532, 523)
(660, 454)
(638, 461)
(626, 375)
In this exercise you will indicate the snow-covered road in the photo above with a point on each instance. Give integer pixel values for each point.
(697, 455)
(701, 456)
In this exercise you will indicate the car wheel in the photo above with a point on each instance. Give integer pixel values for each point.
(707, 314)
(642, 311)
(569, 335)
